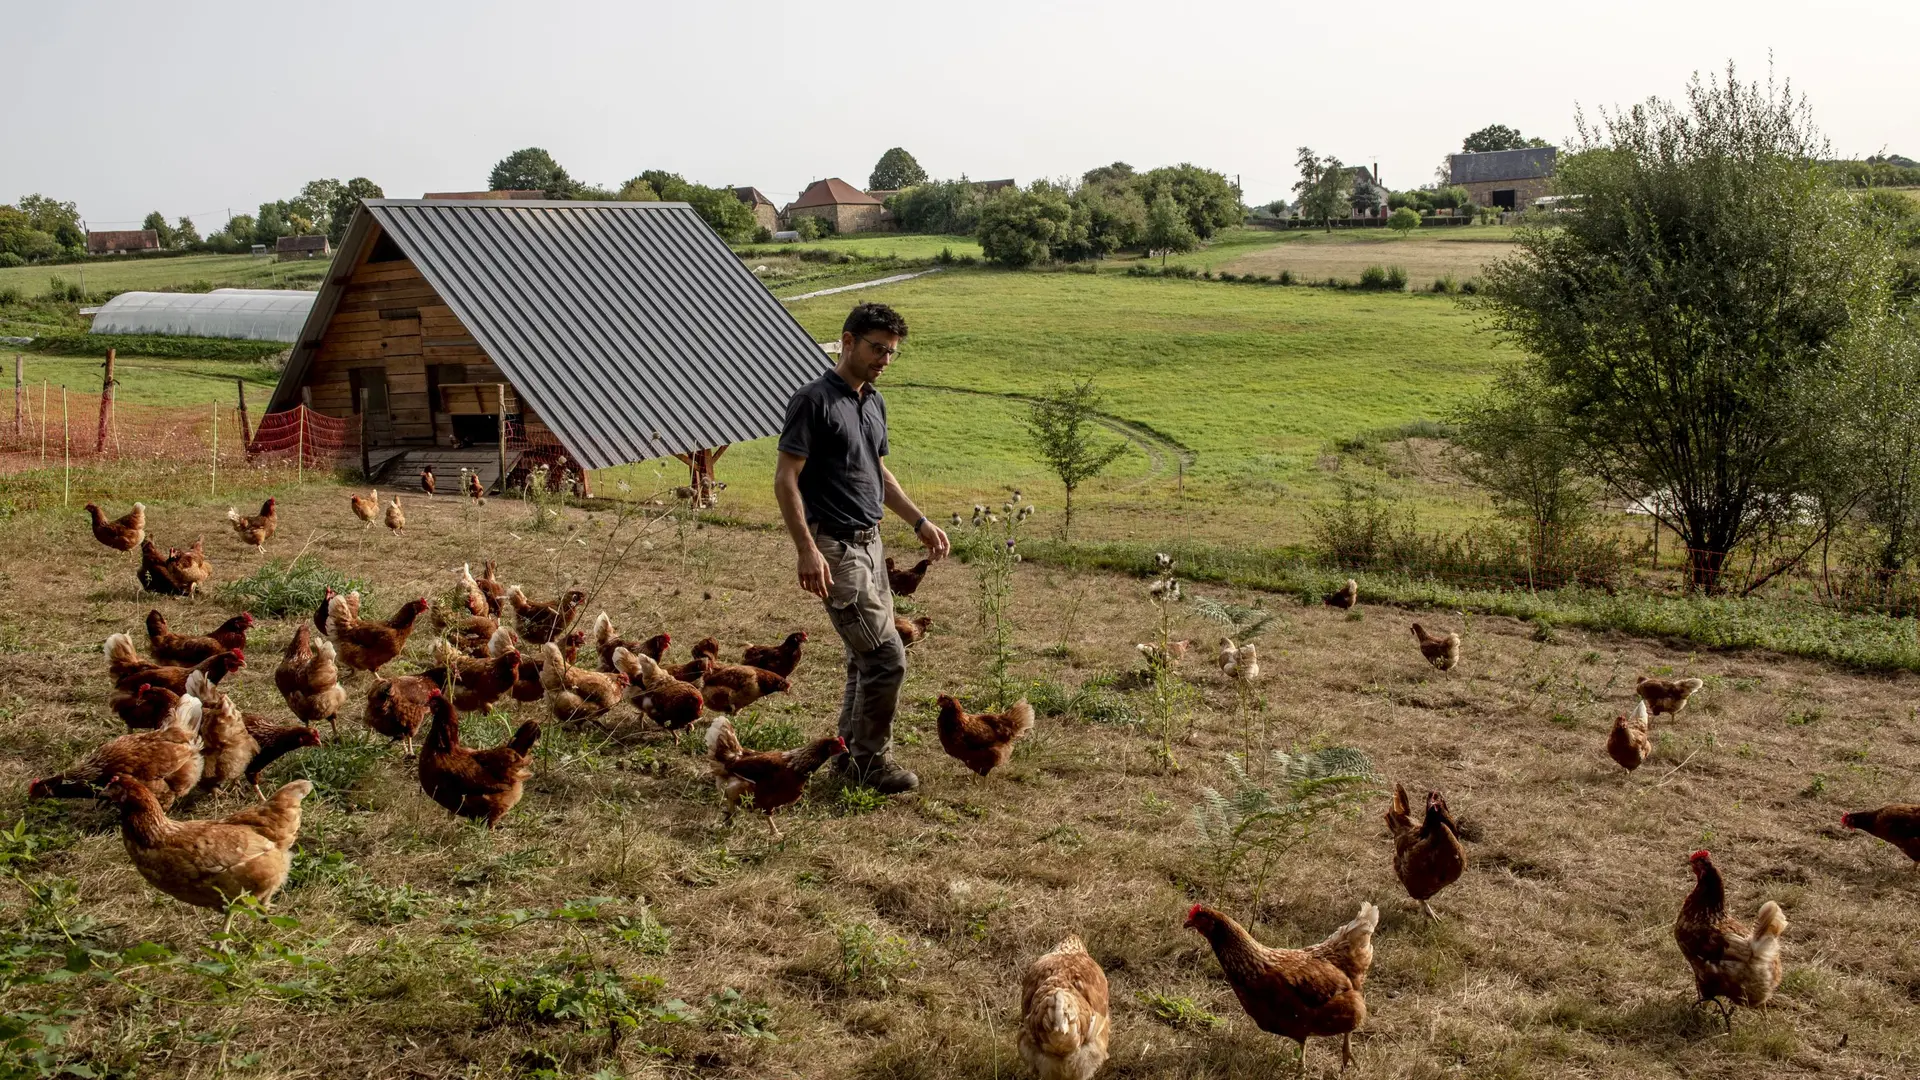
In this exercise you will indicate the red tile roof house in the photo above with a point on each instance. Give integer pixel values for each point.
(847, 207)
(765, 214)
(120, 243)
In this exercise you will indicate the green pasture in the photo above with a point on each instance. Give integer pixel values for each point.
(143, 380)
(879, 245)
(179, 272)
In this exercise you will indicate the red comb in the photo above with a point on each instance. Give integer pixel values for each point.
(1701, 854)
(144, 687)
(1194, 910)
(239, 654)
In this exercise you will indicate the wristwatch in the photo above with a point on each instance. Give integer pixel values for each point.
(917, 524)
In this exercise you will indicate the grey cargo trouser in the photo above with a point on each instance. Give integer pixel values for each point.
(860, 604)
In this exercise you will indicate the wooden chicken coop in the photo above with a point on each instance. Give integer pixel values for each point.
(582, 334)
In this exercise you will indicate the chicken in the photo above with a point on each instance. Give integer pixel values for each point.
(144, 707)
(258, 529)
(1441, 650)
(1297, 993)
(904, 582)
(527, 687)
(226, 744)
(1175, 651)
(476, 492)
(1348, 596)
(395, 518)
(474, 783)
(122, 533)
(780, 659)
(1667, 695)
(775, 778)
(471, 633)
(397, 707)
(368, 508)
(1241, 664)
(911, 632)
(706, 649)
(273, 742)
(326, 604)
(170, 648)
(495, 592)
(1064, 1016)
(609, 641)
(191, 566)
(1228, 654)
(426, 480)
(478, 683)
(129, 672)
(1429, 858)
(982, 741)
(1897, 824)
(308, 679)
(177, 573)
(728, 688)
(659, 696)
(1729, 962)
(540, 623)
(369, 646)
(210, 864)
(575, 693)
(166, 761)
(472, 595)
(1628, 744)
(693, 671)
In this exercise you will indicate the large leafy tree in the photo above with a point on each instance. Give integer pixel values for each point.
(1207, 198)
(1167, 229)
(1107, 174)
(1498, 137)
(161, 230)
(896, 169)
(60, 220)
(1020, 228)
(718, 207)
(1323, 187)
(340, 211)
(531, 169)
(315, 203)
(1682, 329)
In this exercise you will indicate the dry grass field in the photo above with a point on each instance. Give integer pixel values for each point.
(887, 941)
(1316, 257)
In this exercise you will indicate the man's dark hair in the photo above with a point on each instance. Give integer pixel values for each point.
(867, 317)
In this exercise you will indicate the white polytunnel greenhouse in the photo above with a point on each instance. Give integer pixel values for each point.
(254, 314)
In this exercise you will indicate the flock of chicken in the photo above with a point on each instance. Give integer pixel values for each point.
(188, 738)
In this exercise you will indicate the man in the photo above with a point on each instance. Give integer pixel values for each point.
(833, 485)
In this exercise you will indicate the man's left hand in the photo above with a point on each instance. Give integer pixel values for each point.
(934, 539)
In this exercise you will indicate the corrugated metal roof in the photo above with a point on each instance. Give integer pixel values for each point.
(1493, 166)
(631, 328)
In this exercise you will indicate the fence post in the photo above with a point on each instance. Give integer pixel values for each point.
(214, 480)
(106, 404)
(66, 449)
(366, 458)
(299, 444)
(246, 430)
(19, 392)
(500, 391)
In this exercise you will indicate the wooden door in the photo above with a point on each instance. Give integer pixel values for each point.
(369, 384)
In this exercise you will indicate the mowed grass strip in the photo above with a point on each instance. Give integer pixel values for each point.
(180, 271)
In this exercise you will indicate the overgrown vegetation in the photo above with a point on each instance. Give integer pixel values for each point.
(280, 588)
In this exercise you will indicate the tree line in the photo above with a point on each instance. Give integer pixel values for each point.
(533, 169)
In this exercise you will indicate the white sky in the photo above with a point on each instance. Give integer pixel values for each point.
(198, 108)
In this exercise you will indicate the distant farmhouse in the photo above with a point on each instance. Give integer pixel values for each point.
(294, 248)
(1507, 179)
(122, 243)
(834, 200)
(765, 214)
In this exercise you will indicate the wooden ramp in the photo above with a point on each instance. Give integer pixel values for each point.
(402, 469)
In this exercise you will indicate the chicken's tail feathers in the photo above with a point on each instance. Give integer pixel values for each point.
(553, 667)
(518, 597)
(525, 737)
(233, 515)
(1022, 716)
(1691, 686)
(1640, 715)
(324, 648)
(1072, 944)
(119, 649)
(444, 653)
(340, 613)
(1357, 932)
(199, 686)
(186, 714)
(722, 744)
(1058, 1015)
(291, 793)
(602, 629)
(1769, 924)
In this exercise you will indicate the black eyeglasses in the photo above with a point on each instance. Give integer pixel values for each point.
(888, 351)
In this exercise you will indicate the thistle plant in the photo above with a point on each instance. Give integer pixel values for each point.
(542, 502)
(1171, 698)
(1243, 623)
(992, 545)
(1310, 789)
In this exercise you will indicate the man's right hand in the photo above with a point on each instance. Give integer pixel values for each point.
(814, 575)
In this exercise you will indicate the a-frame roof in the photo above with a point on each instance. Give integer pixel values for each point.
(834, 191)
(631, 328)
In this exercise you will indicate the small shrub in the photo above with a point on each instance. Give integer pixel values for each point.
(1179, 1013)
(11, 259)
(1374, 277)
(1470, 286)
(643, 933)
(729, 1013)
(1286, 277)
(857, 799)
(870, 960)
(9, 294)
(337, 769)
(945, 258)
(1397, 279)
(763, 235)
(1446, 284)
(762, 733)
(280, 588)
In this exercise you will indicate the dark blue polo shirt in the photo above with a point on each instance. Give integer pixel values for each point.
(843, 436)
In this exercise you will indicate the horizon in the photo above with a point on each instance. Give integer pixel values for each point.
(429, 97)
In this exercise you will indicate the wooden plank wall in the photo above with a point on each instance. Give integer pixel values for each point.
(390, 318)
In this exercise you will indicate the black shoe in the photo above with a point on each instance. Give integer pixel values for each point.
(881, 773)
